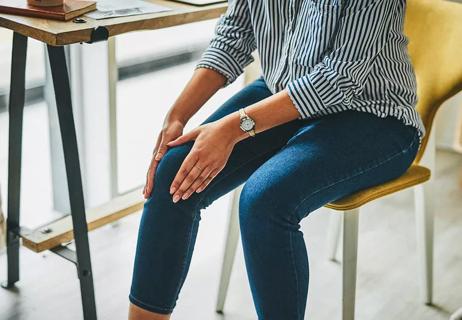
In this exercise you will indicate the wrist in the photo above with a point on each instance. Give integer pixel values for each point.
(175, 116)
(231, 123)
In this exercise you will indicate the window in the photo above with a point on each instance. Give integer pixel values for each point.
(153, 66)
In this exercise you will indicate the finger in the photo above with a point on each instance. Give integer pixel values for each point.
(158, 143)
(199, 180)
(182, 139)
(146, 183)
(160, 153)
(147, 187)
(192, 175)
(151, 173)
(160, 150)
(148, 175)
(183, 171)
(206, 182)
(179, 140)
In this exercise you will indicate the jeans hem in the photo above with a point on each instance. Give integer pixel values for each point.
(149, 307)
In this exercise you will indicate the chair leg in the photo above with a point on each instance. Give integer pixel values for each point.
(424, 229)
(350, 252)
(334, 235)
(232, 239)
(424, 212)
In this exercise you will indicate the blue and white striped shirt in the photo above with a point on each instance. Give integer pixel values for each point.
(368, 68)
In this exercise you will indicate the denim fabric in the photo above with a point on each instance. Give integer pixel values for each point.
(288, 171)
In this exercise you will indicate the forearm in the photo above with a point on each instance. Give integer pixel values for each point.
(267, 113)
(203, 84)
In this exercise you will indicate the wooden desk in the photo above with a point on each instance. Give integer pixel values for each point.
(56, 34)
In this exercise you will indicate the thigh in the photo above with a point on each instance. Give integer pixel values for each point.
(331, 157)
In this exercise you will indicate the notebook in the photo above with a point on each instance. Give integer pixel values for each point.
(122, 8)
(201, 2)
(70, 9)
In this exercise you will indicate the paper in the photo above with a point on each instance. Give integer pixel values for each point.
(122, 8)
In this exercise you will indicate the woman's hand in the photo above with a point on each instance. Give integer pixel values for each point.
(170, 130)
(208, 156)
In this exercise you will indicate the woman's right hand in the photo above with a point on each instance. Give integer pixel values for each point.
(171, 129)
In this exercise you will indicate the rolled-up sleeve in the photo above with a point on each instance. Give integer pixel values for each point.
(363, 32)
(231, 47)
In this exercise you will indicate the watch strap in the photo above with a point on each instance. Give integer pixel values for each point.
(242, 113)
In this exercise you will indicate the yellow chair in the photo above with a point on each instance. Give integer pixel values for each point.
(434, 29)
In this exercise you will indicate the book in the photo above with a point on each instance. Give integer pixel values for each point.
(70, 9)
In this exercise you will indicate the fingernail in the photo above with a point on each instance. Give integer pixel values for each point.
(157, 156)
(172, 190)
(198, 190)
(176, 198)
(185, 196)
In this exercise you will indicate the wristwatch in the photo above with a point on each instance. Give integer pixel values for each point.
(247, 124)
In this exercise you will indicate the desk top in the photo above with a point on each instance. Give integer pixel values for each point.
(57, 33)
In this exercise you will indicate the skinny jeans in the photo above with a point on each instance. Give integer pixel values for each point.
(288, 171)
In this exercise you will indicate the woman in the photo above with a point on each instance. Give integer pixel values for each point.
(333, 113)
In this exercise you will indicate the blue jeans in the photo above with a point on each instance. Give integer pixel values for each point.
(289, 171)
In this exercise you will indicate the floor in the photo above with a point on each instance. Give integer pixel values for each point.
(387, 275)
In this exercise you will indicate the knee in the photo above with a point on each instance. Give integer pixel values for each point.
(263, 203)
(165, 173)
(168, 167)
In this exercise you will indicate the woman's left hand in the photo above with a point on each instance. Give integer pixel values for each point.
(208, 156)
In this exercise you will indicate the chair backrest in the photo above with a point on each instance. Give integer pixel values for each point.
(434, 30)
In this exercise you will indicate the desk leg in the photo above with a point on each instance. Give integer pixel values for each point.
(16, 108)
(71, 157)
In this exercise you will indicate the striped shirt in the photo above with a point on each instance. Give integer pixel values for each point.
(367, 68)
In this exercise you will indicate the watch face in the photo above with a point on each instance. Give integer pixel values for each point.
(247, 124)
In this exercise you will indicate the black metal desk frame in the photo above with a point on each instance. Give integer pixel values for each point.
(81, 256)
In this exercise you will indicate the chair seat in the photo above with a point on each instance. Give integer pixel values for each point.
(413, 176)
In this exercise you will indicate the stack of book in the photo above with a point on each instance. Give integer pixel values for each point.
(69, 10)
